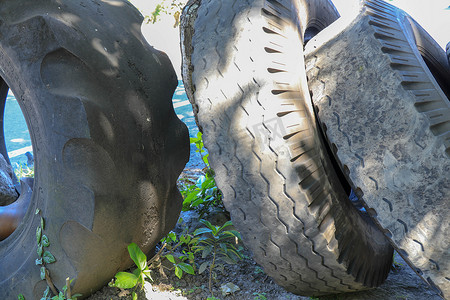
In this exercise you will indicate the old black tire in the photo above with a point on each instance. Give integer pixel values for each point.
(108, 146)
(381, 86)
(245, 77)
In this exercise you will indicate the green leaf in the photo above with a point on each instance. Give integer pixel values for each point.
(45, 241)
(74, 297)
(37, 211)
(61, 296)
(38, 261)
(205, 241)
(40, 250)
(202, 231)
(208, 224)
(46, 292)
(125, 280)
(42, 273)
(191, 257)
(48, 257)
(172, 236)
(186, 268)
(38, 234)
(134, 295)
(137, 272)
(42, 223)
(206, 251)
(236, 254)
(147, 273)
(137, 256)
(209, 183)
(203, 267)
(185, 239)
(224, 247)
(235, 233)
(178, 272)
(190, 197)
(20, 297)
(205, 159)
(197, 202)
(170, 258)
(228, 260)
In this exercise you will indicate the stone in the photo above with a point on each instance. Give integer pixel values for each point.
(228, 288)
(8, 193)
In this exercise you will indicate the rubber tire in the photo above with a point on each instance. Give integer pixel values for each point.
(388, 120)
(107, 143)
(447, 49)
(245, 76)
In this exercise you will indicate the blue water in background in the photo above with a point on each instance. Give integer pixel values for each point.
(18, 140)
(183, 109)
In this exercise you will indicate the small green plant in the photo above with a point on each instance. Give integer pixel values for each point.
(204, 194)
(65, 294)
(22, 170)
(173, 8)
(258, 270)
(181, 263)
(198, 142)
(395, 264)
(45, 257)
(260, 296)
(215, 242)
(126, 280)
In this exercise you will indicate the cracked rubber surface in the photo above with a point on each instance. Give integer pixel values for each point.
(244, 74)
(381, 85)
(108, 146)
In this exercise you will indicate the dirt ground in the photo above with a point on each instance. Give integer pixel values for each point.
(251, 282)
(402, 283)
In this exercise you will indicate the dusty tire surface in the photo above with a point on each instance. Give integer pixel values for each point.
(380, 85)
(245, 76)
(108, 146)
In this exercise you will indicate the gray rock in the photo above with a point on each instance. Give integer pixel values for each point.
(8, 193)
(30, 159)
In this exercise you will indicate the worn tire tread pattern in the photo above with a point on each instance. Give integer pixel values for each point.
(290, 230)
(429, 259)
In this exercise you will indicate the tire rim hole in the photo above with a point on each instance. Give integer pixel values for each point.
(310, 32)
(16, 148)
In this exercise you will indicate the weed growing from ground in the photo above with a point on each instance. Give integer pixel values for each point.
(204, 194)
(215, 242)
(126, 280)
(260, 296)
(181, 263)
